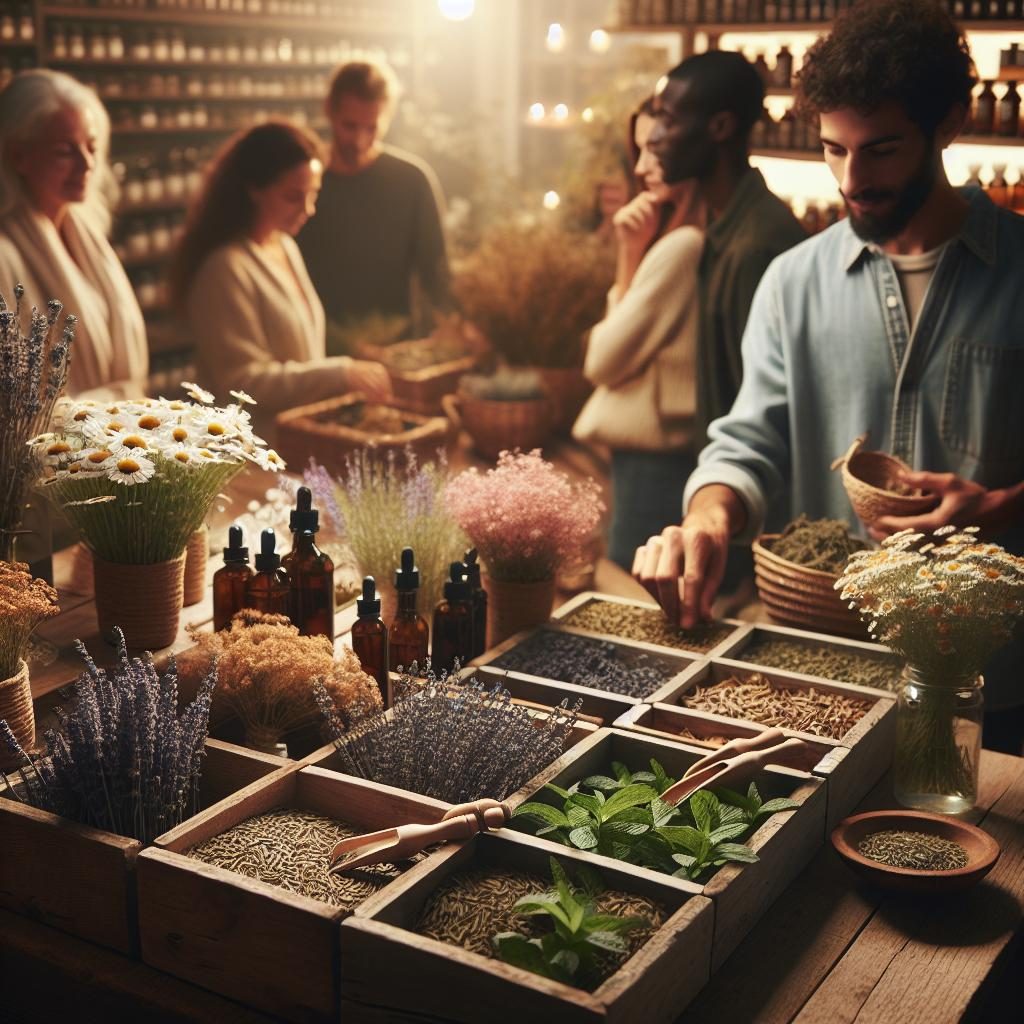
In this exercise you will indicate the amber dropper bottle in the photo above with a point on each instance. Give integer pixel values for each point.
(310, 572)
(479, 598)
(268, 590)
(409, 633)
(229, 581)
(453, 622)
(370, 637)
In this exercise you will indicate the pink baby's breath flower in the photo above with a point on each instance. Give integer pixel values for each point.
(525, 517)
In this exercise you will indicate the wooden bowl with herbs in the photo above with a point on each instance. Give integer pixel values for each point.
(915, 851)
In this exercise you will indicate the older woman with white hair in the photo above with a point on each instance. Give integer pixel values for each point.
(55, 185)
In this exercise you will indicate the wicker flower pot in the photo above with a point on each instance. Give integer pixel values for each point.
(872, 484)
(496, 426)
(16, 708)
(197, 555)
(513, 607)
(144, 600)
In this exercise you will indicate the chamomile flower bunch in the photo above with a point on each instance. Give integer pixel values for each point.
(137, 478)
(945, 602)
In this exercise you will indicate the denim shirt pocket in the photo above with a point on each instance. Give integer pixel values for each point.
(983, 408)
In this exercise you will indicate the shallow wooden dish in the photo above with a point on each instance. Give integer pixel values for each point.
(982, 850)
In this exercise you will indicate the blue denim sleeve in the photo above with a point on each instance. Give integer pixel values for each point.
(748, 449)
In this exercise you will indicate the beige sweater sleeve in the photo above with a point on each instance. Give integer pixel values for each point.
(651, 314)
(237, 350)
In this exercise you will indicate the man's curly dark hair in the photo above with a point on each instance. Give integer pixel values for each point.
(909, 51)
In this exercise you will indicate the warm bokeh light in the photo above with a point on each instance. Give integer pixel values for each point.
(456, 10)
(551, 200)
(600, 41)
(537, 111)
(561, 111)
(555, 41)
(588, 114)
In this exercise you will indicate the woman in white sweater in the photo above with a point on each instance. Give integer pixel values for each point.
(641, 356)
(257, 322)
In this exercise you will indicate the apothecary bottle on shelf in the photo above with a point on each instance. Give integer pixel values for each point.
(938, 742)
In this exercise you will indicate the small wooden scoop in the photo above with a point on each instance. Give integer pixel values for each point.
(736, 762)
(400, 843)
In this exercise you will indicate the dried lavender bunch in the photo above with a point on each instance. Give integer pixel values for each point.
(450, 739)
(33, 372)
(124, 760)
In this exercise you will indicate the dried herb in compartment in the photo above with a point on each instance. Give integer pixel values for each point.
(846, 666)
(646, 624)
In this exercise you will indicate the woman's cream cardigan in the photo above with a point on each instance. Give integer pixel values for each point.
(257, 331)
(642, 355)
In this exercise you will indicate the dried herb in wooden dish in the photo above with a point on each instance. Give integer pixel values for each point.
(757, 699)
(827, 662)
(918, 850)
(291, 849)
(647, 624)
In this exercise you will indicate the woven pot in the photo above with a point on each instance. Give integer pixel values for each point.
(16, 708)
(496, 426)
(799, 596)
(197, 556)
(513, 607)
(569, 391)
(871, 480)
(144, 600)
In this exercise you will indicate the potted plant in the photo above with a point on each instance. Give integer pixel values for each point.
(533, 292)
(526, 519)
(136, 480)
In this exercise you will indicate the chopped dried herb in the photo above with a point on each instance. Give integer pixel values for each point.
(879, 671)
(823, 544)
(919, 850)
(647, 624)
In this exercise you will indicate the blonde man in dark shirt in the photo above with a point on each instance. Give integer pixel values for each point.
(377, 228)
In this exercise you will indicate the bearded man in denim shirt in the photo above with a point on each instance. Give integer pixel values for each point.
(906, 320)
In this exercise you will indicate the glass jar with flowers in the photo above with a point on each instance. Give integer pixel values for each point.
(136, 480)
(526, 519)
(945, 603)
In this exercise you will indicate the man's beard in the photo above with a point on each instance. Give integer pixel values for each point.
(879, 228)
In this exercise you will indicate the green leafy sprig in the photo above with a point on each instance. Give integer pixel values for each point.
(624, 817)
(581, 937)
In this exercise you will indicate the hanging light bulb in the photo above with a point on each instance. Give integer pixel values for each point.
(561, 112)
(551, 200)
(537, 111)
(555, 41)
(456, 10)
(600, 41)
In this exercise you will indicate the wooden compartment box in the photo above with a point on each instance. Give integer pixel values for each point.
(563, 616)
(241, 937)
(741, 893)
(740, 644)
(824, 757)
(327, 758)
(81, 879)
(390, 970)
(599, 702)
(868, 744)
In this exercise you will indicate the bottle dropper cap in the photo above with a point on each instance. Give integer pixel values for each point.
(457, 587)
(304, 518)
(369, 603)
(407, 576)
(268, 559)
(234, 552)
(472, 568)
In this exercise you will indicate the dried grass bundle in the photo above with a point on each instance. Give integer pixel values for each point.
(267, 672)
(24, 603)
(534, 291)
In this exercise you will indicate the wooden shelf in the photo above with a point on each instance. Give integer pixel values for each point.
(717, 28)
(155, 206)
(142, 97)
(204, 130)
(144, 262)
(17, 44)
(787, 154)
(185, 20)
(220, 67)
(1014, 141)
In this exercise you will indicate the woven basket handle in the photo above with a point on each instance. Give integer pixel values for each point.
(851, 451)
(450, 404)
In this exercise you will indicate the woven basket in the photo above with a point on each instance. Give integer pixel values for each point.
(197, 556)
(309, 432)
(799, 596)
(495, 426)
(16, 708)
(144, 600)
(871, 480)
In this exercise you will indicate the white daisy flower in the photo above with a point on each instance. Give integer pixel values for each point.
(131, 469)
(198, 394)
(242, 398)
(185, 455)
(98, 459)
(268, 459)
(61, 450)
